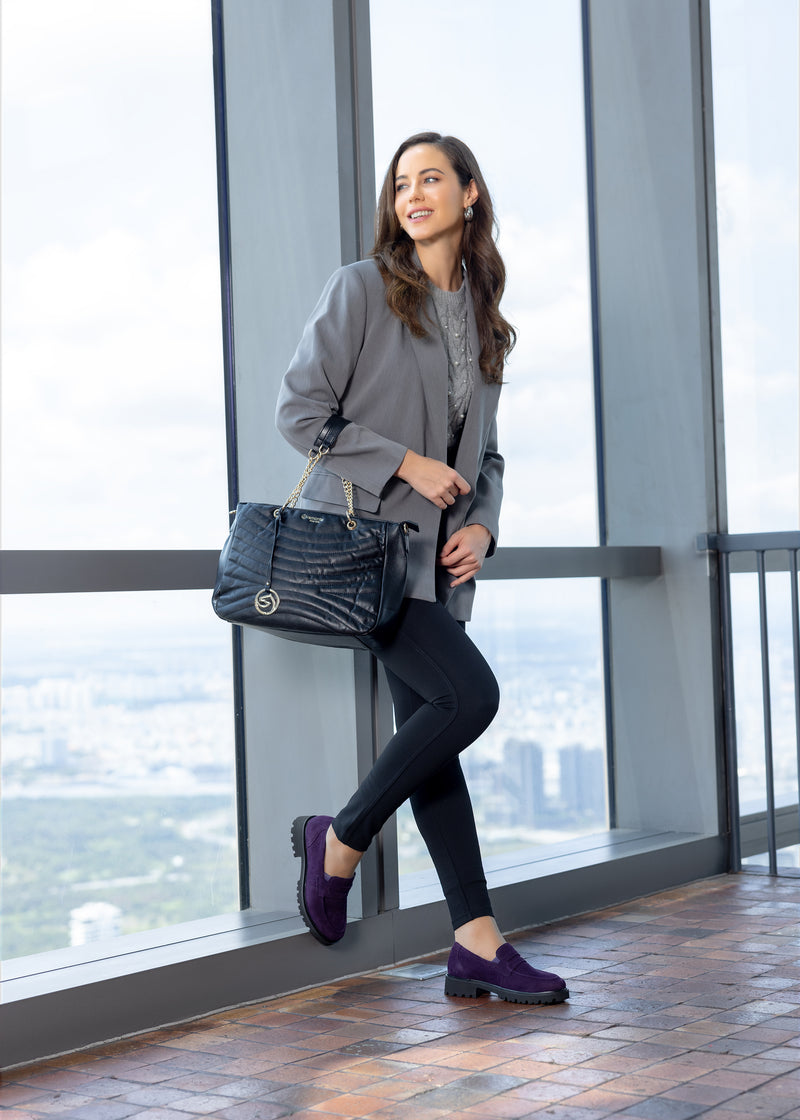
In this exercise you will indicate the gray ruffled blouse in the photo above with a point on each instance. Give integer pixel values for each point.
(451, 311)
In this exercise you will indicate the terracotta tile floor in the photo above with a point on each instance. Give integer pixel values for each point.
(683, 1004)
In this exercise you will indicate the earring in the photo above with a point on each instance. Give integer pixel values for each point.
(469, 213)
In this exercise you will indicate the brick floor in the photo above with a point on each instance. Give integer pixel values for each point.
(686, 1003)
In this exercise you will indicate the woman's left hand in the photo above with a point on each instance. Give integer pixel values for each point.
(465, 551)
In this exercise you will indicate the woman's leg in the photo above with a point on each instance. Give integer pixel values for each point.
(439, 803)
(445, 695)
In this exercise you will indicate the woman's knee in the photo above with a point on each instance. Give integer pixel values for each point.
(478, 703)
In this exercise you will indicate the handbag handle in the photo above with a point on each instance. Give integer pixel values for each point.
(328, 435)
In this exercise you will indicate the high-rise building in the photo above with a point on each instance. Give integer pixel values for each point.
(582, 782)
(96, 921)
(524, 779)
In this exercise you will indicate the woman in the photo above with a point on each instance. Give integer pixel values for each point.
(409, 346)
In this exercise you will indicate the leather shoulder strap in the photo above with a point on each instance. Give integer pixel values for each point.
(330, 432)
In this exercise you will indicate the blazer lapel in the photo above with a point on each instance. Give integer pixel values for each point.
(482, 394)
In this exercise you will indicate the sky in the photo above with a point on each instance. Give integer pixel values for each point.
(112, 428)
(523, 117)
(756, 130)
(113, 414)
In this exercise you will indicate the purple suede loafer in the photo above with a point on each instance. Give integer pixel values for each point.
(509, 976)
(322, 898)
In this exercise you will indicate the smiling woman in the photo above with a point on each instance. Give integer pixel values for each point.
(418, 322)
(432, 205)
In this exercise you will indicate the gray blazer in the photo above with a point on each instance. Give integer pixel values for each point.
(358, 359)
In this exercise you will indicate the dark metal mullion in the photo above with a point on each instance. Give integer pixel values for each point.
(597, 374)
(229, 373)
(731, 752)
(767, 705)
(793, 554)
(225, 257)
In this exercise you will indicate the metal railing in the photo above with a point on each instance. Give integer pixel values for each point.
(759, 553)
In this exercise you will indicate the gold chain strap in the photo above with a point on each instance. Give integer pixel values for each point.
(313, 458)
(348, 493)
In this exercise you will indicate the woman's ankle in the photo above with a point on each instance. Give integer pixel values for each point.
(480, 936)
(340, 860)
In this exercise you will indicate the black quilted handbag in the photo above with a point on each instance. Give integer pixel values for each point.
(327, 578)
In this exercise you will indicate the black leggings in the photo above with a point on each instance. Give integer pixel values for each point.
(445, 696)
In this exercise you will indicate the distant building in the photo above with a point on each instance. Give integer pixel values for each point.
(582, 781)
(523, 768)
(95, 921)
(54, 753)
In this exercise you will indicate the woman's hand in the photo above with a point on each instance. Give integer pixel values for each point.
(465, 551)
(432, 479)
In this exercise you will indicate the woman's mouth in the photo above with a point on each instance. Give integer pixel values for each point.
(418, 215)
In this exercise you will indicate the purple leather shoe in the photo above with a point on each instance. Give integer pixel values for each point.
(509, 976)
(322, 899)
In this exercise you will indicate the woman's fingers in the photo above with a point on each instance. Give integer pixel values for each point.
(463, 554)
(433, 479)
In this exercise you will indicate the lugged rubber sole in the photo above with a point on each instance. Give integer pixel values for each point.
(299, 849)
(471, 989)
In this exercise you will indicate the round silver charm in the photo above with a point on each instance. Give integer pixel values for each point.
(266, 601)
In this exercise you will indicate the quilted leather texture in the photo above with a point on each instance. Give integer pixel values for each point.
(333, 584)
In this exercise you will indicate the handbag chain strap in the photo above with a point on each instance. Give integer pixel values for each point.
(314, 456)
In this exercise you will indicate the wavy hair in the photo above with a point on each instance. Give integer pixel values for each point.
(407, 284)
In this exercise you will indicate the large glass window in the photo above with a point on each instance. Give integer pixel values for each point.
(118, 796)
(749, 692)
(112, 396)
(118, 811)
(756, 90)
(538, 775)
(756, 128)
(512, 88)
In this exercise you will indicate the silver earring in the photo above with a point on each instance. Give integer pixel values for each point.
(469, 214)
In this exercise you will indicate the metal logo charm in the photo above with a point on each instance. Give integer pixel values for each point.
(266, 601)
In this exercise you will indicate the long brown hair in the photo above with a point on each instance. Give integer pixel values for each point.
(407, 284)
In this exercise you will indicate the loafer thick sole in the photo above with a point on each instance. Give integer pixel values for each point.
(474, 988)
(508, 976)
(301, 851)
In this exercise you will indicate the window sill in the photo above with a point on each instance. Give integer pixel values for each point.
(62, 1001)
(537, 862)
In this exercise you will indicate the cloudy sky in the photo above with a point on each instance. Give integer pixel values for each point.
(113, 416)
(111, 352)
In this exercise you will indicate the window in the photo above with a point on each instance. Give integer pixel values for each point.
(118, 807)
(755, 70)
(524, 120)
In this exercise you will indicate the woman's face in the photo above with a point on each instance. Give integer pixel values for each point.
(428, 198)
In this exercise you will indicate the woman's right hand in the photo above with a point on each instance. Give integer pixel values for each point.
(432, 479)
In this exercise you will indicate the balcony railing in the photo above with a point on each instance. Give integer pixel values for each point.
(758, 553)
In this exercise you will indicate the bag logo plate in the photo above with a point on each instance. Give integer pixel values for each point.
(266, 601)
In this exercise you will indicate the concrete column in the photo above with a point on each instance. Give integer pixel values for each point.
(654, 236)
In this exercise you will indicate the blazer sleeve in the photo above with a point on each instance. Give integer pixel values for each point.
(485, 508)
(317, 379)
